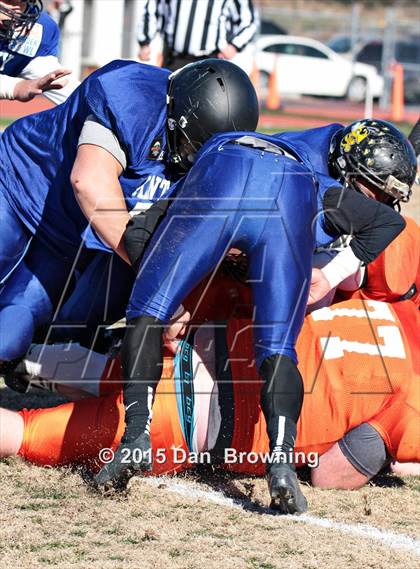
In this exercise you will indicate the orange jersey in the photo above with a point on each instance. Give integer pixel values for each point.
(396, 269)
(357, 363)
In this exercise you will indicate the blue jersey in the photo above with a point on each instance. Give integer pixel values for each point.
(37, 152)
(42, 40)
(313, 147)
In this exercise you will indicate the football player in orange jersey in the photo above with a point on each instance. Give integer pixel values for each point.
(395, 274)
(359, 361)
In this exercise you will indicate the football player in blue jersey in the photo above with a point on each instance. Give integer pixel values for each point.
(69, 176)
(266, 196)
(372, 157)
(29, 43)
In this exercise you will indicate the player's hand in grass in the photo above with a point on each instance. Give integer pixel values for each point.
(27, 89)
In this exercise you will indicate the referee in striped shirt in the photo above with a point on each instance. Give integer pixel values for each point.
(196, 29)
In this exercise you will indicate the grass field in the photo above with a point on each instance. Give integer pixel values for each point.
(50, 518)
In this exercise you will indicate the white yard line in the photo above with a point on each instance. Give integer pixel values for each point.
(390, 539)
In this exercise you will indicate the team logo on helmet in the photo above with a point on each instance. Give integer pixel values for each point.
(355, 136)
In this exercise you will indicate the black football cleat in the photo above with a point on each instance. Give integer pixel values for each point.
(285, 492)
(129, 459)
(14, 380)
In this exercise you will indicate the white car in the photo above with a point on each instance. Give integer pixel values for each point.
(308, 67)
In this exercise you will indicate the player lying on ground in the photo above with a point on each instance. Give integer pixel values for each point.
(361, 408)
(258, 214)
(29, 45)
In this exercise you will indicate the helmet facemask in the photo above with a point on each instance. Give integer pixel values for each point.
(18, 24)
(181, 148)
(390, 191)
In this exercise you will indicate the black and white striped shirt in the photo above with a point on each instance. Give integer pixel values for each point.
(198, 27)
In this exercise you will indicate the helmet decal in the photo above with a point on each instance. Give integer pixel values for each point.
(355, 136)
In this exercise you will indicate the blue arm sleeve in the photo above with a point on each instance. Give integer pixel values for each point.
(50, 38)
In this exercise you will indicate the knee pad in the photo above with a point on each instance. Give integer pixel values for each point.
(17, 329)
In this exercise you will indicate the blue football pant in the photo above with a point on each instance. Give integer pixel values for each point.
(265, 208)
(269, 219)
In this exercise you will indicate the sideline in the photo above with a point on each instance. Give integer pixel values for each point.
(390, 539)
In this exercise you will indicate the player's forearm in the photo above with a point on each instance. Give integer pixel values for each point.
(7, 86)
(58, 96)
(95, 181)
(107, 215)
(372, 224)
(341, 267)
(41, 66)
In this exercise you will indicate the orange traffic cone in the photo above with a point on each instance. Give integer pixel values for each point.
(255, 79)
(273, 102)
(397, 112)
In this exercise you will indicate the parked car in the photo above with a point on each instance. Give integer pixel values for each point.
(308, 67)
(406, 52)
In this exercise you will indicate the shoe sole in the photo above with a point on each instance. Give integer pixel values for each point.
(284, 500)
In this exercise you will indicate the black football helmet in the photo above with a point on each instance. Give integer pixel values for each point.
(378, 155)
(204, 98)
(19, 23)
